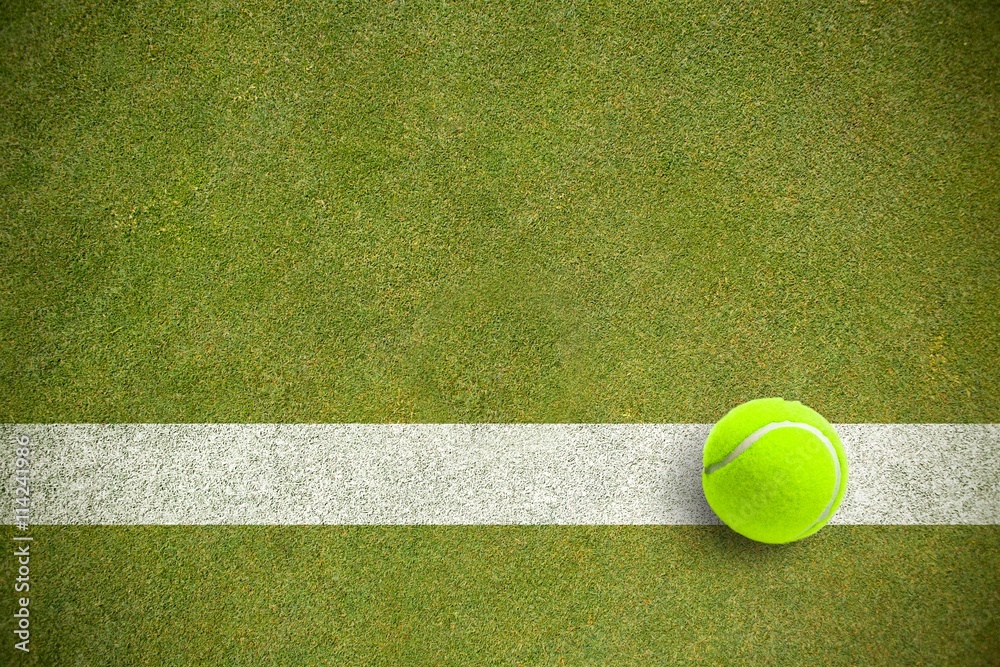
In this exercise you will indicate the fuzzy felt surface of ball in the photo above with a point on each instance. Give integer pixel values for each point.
(773, 470)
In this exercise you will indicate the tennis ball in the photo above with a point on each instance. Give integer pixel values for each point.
(774, 470)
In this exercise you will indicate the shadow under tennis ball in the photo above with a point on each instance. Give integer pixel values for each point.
(731, 546)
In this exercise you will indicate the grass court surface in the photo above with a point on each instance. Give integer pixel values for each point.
(467, 212)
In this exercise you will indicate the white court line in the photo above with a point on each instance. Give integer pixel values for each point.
(467, 473)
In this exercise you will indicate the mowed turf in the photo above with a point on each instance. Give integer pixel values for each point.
(439, 212)
(467, 212)
(514, 595)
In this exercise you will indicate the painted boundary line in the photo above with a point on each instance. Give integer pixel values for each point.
(467, 473)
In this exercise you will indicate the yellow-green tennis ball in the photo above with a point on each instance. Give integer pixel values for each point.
(774, 470)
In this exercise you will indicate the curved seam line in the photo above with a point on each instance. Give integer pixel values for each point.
(764, 430)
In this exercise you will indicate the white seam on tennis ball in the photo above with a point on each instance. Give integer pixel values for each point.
(764, 430)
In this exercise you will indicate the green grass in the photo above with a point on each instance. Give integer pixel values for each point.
(465, 212)
(851, 595)
(458, 212)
